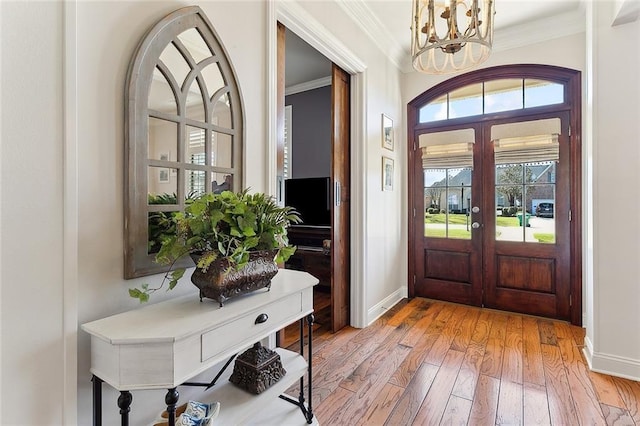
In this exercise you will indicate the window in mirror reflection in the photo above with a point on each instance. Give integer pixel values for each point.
(185, 130)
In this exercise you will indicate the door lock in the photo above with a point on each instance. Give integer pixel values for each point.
(475, 225)
(475, 209)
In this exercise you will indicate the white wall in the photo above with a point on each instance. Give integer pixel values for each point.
(565, 52)
(613, 108)
(31, 215)
(34, 364)
(108, 33)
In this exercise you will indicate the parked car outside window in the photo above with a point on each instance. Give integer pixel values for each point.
(544, 210)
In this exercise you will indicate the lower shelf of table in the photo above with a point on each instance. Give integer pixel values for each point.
(280, 413)
(239, 407)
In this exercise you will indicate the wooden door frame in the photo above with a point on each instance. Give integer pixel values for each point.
(340, 178)
(571, 79)
(340, 188)
(310, 30)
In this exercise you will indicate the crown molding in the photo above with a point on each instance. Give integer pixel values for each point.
(301, 22)
(540, 30)
(309, 85)
(537, 31)
(369, 23)
(626, 11)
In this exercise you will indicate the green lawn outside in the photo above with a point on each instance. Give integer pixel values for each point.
(454, 219)
(453, 233)
(461, 219)
(545, 238)
(507, 221)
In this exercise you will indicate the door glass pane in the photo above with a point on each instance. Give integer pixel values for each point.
(525, 202)
(509, 192)
(447, 194)
(526, 155)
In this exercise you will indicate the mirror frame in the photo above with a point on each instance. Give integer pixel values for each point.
(137, 261)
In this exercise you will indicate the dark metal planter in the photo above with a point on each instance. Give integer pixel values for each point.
(221, 282)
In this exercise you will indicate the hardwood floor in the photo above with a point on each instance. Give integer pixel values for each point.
(435, 363)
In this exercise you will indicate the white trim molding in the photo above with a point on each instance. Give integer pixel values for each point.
(612, 365)
(70, 215)
(304, 25)
(520, 35)
(309, 85)
(369, 23)
(377, 310)
(626, 11)
(539, 30)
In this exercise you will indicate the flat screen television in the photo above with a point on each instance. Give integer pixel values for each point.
(311, 197)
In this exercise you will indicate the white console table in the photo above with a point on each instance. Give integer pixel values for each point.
(164, 345)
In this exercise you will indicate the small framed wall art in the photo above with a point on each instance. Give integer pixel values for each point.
(387, 132)
(387, 174)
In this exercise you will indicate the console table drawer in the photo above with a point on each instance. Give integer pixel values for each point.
(246, 327)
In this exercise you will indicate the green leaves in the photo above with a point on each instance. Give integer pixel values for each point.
(143, 296)
(228, 226)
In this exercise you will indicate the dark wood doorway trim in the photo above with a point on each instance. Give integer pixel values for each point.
(340, 179)
(340, 173)
(571, 79)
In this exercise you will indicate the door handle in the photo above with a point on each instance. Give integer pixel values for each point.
(475, 209)
(475, 225)
(337, 194)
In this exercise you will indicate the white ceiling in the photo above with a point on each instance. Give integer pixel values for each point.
(387, 22)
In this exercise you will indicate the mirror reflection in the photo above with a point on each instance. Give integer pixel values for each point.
(212, 78)
(195, 44)
(183, 138)
(175, 62)
(161, 97)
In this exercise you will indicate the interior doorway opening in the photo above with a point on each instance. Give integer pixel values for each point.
(314, 169)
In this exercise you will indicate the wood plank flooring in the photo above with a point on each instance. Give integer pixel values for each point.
(427, 362)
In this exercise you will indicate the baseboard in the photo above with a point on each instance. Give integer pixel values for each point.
(383, 306)
(613, 365)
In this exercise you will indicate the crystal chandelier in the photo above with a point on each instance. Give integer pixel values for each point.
(451, 35)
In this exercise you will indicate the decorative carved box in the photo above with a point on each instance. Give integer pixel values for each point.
(257, 369)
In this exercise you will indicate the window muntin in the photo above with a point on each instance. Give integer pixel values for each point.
(447, 163)
(447, 196)
(185, 129)
(526, 156)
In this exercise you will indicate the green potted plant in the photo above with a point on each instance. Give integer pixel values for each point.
(235, 240)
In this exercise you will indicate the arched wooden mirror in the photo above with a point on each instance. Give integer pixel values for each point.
(184, 131)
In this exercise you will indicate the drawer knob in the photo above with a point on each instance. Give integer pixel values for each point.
(262, 318)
